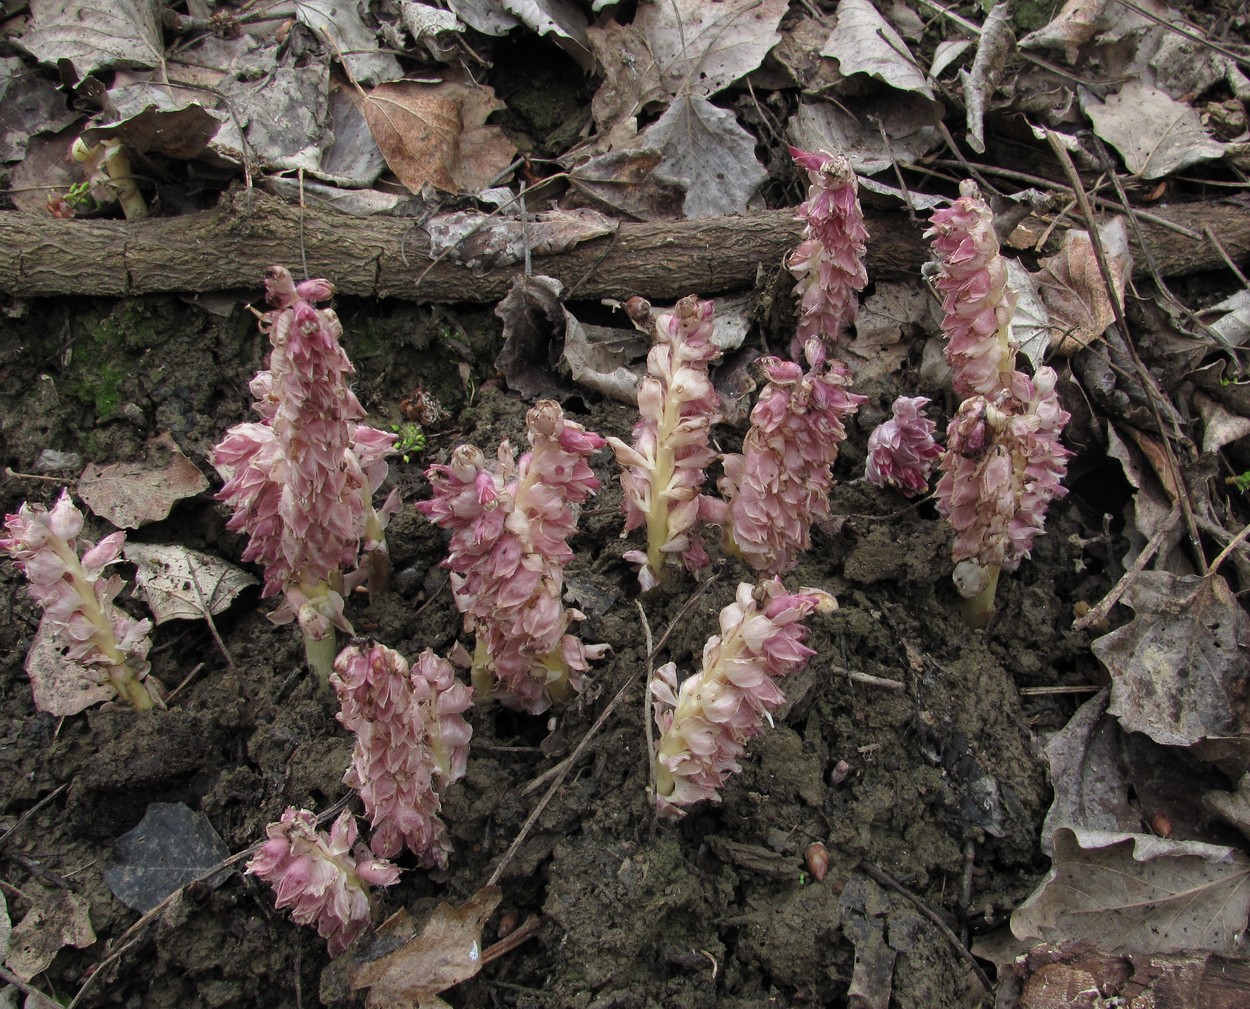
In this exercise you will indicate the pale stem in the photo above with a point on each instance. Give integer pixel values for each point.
(320, 653)
(979, 608)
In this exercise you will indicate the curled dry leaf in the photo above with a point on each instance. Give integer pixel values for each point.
(996, 45)
(1137, 893)
(534, 322)
(415, 968)
(1073, 290)
(863, 42)
(131, 494)
(183, 584)
(96, 36)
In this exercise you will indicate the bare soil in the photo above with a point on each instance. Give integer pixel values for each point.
(942, 789)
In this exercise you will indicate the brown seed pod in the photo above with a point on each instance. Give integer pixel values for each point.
(817, 860)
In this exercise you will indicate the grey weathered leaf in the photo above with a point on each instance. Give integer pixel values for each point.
(1091, 790)
(1178, 670)
(1154, 133)
(29, 104)
(865, 42)
(996, 45)
(183, 584)
(168, 848)
(561, 19)
(96, 34)
(56, 919)
(701, 48)
(902, 126)
(1139, 893)
(706, 148)
(356, 43)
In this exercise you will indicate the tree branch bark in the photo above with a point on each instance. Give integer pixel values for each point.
(229, 247)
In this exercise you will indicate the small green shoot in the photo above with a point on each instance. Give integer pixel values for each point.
(409, 439)
(1241, 481)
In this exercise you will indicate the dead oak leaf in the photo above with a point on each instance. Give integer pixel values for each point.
(448, 950)
(436, 134)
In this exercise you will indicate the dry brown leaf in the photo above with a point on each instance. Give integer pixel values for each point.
(56, 919)
(436, 134)
(131, 494)
(183, 584)
(447, 951)
(1073, 290)
(60, 685)
(1178, 669)
(1139, 893)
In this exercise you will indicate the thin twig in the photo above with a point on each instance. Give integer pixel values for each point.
(1098, 614)
(868, 678)
(885, 879)
(25, 817)
(1235, 542)
(562, 770)
(1147, 380)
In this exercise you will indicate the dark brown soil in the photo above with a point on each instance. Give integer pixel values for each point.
(944, 790)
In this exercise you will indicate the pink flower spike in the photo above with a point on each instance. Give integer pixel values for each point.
(829, 262)
(779, 485)
(1003, 466)
(510, 524)
(78, 601)
(301, 481)
(322, 878)
(901, 451)
(665, 468)
(705, 724)
(411, 743)
(977, 304)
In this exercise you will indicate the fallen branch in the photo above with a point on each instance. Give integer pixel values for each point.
(225, 248)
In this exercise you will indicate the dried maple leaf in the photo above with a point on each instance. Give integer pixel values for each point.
(448, 950)
(436, 134)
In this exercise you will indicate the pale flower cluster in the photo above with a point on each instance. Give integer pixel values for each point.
(779, 485)
(1003, 466)
(902, 451)
(977, 304)
(705, 724)
(829, 262)
(301, 479)
(411, 742)
(664, 470)
(510, 526)
(77, 599)
(323, 878)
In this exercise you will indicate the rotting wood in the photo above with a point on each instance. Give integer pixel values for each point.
(229, 247)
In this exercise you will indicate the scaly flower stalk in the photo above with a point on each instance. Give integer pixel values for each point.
(664, 470)
(1003, 466)
(705, 724)
(829, 262)
(510, 526)
(324, 879)
(77, 601)
(901, 451)
(780, 482)
(977, 304)
(302, 479)
(411, 743)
